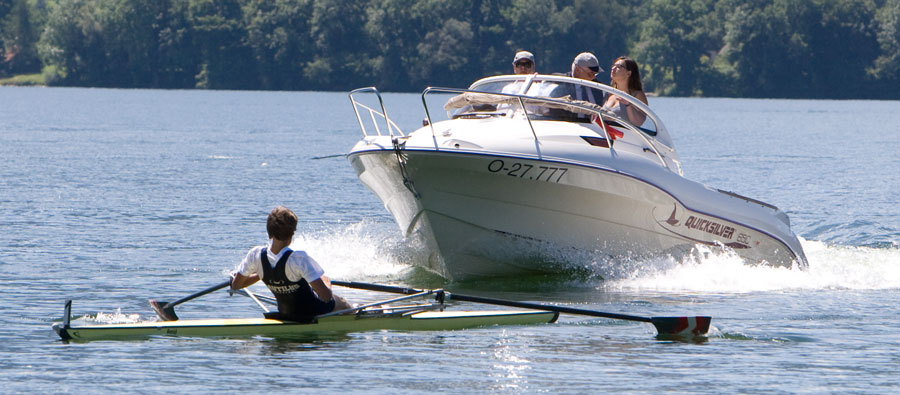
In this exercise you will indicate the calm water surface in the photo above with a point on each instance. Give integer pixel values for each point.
(111, 197)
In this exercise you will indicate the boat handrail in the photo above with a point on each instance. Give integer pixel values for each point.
(391, 126)
(585, 107)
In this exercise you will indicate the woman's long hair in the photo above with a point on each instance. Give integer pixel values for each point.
(634, 81)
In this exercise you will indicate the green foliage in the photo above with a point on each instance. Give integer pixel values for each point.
(277, 37)
(18, 38)
(887, 65)
(72, 42)
(814, 48)
(752, 48)
(24, 80)
(678, 42)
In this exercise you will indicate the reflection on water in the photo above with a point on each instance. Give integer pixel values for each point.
(510, 367)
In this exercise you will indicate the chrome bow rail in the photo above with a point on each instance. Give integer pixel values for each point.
(374, 114)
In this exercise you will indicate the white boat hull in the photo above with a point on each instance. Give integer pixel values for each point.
(490, 223)
(505, 190)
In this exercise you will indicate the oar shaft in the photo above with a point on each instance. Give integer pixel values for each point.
(541, 306)
(667, 326)
(199, 294)
(502, 302)
(253, 296)
(376, 287)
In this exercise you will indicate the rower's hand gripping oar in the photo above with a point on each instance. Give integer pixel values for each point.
(665, 326)
(166, 311)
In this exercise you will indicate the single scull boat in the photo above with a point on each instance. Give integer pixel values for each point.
(242, 327)
(375, 316)
(382, 315)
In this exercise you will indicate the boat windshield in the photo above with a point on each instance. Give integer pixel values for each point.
(554, 98)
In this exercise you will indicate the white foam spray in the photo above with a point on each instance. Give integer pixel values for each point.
(116, 317)
(355, 251)
(371, 251)
(830, 267)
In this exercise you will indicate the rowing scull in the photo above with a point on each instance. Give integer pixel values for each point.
(400, 319)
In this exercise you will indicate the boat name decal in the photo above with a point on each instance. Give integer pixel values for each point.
(713, 228)
(704, 225)
(524, 170)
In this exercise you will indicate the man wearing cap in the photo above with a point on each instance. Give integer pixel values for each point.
(523, 63)
(586, 67)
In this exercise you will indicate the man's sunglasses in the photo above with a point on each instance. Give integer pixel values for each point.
(524, 64)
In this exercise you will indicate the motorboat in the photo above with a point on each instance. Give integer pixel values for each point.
(524, 176)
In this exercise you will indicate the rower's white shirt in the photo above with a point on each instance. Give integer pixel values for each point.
(299, 264)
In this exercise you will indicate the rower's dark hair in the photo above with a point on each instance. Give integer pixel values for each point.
(282, 223)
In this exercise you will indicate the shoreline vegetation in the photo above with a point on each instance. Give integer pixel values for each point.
(24, 80)
(818, 49)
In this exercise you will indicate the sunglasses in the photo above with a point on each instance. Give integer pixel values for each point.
(524, 64)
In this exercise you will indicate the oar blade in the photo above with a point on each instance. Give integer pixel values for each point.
(684, 327)
(163, 310)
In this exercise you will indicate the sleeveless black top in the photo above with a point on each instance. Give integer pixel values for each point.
(296, 300)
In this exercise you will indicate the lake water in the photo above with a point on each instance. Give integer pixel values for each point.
(112, 197)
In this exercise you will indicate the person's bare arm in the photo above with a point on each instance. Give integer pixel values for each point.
(240, 281)
(322, 286)
(636, 116)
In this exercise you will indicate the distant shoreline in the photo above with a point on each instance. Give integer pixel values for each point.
(24, 80)
(37, 81)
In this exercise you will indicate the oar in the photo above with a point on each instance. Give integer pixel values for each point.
(665, 326)
(253, 296)
(166, 311)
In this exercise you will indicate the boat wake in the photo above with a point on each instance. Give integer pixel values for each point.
(830, 267)
(372, 251)
(116, 317)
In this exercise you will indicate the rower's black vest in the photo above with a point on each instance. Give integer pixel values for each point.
(296, 300)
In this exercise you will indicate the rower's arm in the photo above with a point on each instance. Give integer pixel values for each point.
(240, 281)
(322, 286)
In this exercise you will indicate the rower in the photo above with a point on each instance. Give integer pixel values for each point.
(295, 278)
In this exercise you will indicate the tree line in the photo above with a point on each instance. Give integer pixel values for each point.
(735, 48)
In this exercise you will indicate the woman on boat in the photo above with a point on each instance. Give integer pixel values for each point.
(295, 278)
(625, 76)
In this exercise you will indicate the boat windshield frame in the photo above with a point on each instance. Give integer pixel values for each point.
(659, 131)
(522, 101)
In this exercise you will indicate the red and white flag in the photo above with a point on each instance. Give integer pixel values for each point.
(613, 132)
